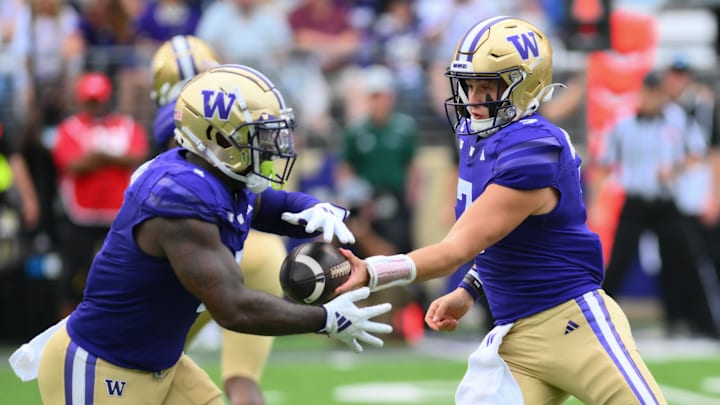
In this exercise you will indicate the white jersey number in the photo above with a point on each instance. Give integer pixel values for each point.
(464, 193)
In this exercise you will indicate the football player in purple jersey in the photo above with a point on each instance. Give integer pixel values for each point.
(521, 220)
(242, 356)
(174, 248)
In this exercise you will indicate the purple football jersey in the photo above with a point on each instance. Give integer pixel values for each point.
(548, 259)
(135, 312)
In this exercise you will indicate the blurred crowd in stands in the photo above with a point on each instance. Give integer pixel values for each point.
(366, 79)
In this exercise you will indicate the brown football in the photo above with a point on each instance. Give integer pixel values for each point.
(312, 271)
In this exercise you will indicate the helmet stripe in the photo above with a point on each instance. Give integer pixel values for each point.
(471, 39)
(267, 81)
(184, 57)
(243, 105)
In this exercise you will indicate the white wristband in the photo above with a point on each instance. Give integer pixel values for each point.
(390, 271)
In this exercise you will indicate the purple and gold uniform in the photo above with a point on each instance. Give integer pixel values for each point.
(131, 326)
(242, 355)
(545, 276)
(521, 223)
(550, 258)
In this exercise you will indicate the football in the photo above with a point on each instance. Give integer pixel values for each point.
(311, 272)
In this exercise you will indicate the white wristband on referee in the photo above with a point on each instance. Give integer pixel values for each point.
(390, 271)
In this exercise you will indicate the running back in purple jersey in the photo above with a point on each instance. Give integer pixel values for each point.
(136, 313)
(548, 259)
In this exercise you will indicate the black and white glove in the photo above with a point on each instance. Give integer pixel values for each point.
(323, 216)
(350, 324)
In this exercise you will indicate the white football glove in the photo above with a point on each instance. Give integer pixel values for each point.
(350, 324)
(323, 216)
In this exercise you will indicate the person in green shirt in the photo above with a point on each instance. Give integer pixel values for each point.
(381, 150)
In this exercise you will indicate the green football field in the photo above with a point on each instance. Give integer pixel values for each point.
(310, 370)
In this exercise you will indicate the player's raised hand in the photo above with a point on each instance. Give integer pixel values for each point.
(350, 324)
(324, 217)
(445, 312)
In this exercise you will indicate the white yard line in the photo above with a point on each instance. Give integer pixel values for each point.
(651, 348)
(679, 396)
(422, 392)
(711, 384)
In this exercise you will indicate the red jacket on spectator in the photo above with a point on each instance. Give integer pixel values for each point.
(92, 196)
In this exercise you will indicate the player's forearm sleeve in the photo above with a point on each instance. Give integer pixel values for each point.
(272, 205)
(390, 271)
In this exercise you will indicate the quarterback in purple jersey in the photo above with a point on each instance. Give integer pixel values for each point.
(521, 220)
(174, 248)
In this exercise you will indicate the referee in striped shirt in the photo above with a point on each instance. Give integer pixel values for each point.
(645, 151)
(693, 106)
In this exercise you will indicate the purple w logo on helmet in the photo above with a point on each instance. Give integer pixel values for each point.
(525, 44)
(214, 101)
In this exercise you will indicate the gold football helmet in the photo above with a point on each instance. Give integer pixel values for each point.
(236, 119)
(178, 60)
(511, 51)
